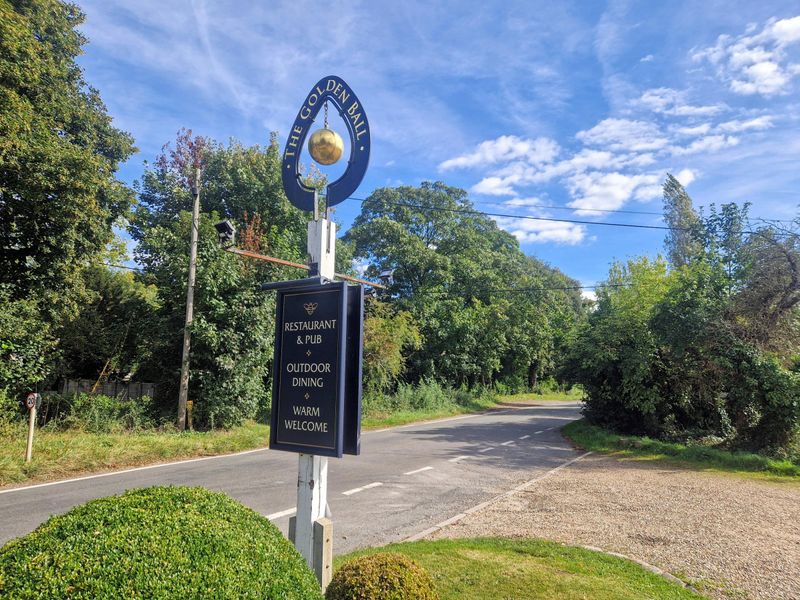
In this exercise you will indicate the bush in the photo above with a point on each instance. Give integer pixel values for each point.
(160, 542)
(10, 407)
(96, 413)
(384, 576)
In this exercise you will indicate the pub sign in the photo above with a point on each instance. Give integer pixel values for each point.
(316, 369)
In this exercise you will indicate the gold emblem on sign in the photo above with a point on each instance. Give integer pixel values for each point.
(325, 146)
(310, 307)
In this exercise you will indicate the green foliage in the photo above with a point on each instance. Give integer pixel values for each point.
(704, 349)
(96, 413)
(703, 452)
(113, 328)
(58, 156)
(156, 543)
(425, 396)
(384, 576)
(475, 298)
(232, 331)
(26, 344)
(233, 328)
(388, 337)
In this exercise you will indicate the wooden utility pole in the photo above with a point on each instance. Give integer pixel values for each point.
(183, 394)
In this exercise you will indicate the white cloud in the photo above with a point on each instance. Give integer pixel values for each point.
(537, 232)
(758, 124)
(505, 148)
(756, 63)
(709, 143)
(648, 58)
(686, 176)
(493, 186)
(610, 191)
(701, 129)
(673, 102)
(786, 31)
(526, 202)
(624, 135)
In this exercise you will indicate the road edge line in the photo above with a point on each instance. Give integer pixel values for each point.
(130, 470)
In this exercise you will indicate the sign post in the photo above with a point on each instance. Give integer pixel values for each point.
(316, 398)
(32, 401)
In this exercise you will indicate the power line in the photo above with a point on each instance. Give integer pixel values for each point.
(525, 289)
(576, 221)
(121, 266)
(467, 211)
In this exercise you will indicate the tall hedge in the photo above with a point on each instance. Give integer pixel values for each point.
(156, 543)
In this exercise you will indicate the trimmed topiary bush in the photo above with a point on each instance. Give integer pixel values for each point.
(160, 542)
(384, 576)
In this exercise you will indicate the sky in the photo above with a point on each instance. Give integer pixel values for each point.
(545, 109)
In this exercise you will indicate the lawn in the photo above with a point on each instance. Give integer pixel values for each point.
(504, 569)
(591, 437)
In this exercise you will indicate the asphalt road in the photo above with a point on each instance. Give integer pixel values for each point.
(406, 480)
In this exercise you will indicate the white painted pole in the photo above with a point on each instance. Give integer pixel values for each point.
(31, 425)
(312, 496)
(312, 471)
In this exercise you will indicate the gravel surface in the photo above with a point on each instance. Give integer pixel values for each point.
(732, 537)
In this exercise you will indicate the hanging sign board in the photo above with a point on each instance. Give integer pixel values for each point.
(354, 355)
(309, 370)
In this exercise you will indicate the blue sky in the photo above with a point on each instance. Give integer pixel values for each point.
(584, 105)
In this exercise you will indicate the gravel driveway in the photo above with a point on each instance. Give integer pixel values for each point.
(733, 537)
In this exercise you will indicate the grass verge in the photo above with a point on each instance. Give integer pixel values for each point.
(60, 454)
(573, 395)
(497, 569)
(592, 437)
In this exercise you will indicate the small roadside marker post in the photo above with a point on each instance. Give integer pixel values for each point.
(32, 401)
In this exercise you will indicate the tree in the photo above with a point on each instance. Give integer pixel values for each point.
(58, 156)
(706, 349)
(473, 294)
(58, 193)
(233, 327)
(683, 240)
(388, 337)
(114, 328)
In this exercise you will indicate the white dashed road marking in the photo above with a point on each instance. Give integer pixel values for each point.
(419, 470)
(508, 443)
(458, 458)
(362, 488)
(524, 437)
(283, 513)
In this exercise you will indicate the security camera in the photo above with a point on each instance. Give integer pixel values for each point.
(226, 233)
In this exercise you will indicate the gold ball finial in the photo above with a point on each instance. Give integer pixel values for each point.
(325, 146)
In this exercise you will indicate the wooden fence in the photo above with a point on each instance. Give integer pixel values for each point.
(111, 388)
